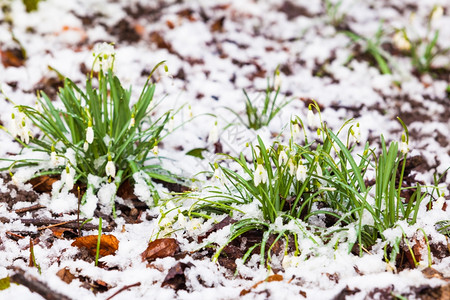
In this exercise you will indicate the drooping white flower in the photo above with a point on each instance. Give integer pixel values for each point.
(356, 133)
(85, 146)
(213, 134)
(20, 126)
(277, 81)
(292, 168)
(218, 174)
(260, 175)
(67, 176)
(194, 226)
(155, 150)
(310, 117)
(89, 135)
(437, 13)
(296, 131)
(301, 173)
(439, 203)
(400, 41)
(182, 221)
(404, 147)
(132, 122)
(104, 55)
(110, 168)
(54, 159)
(188, 112)
(282, 158)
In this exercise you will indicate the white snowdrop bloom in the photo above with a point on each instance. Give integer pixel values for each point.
(301, 173)
(89, 135)
(104, 57)
(132, 122)
(404, 147)
(110, 168)
(400, 42)
(277, 81)
(15, 180)
(439, 203)
(296, 131)
(155, 150)
(291, 261)
(67, 176)
(311, 118)
(218, 174)
(213, 134)
(356, 133)
(292, 168)
(20, 126)
(319, 170)
(260, 175)
(188, 113)
(85, 146)
(437, 13)
(182, 221)
(194, 226)
(282, 158)
(54, 159)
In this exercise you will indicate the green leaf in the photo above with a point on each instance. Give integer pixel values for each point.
(5, 283)
(197, 152)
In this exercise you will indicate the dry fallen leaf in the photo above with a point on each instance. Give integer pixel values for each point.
(108, 244)
(12, 58)
(160, 248)
(43, 184)
(275, 277)
(176, 278)
(65, 275)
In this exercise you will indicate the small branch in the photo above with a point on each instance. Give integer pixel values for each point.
(36, 286)
(29, 208)
(123, 289)
(55, 225)
(73, 224)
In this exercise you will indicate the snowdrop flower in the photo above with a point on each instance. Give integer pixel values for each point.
(85, 146)
(104, 57)
(277, 81)
(67, 176)
(89, 134)
(213, 134)
(188, 113)
(296, 131)
(311, 118)
(155, 150)
(20, 126)
(400, 41)
(193, 226)
(437, 13)
(132, 122)
(260, 175)
(439, 203)
(282, 158)
(291, 261)
(182, 220)
(54, 158)
(291, 167)
(356, 133)
(110, 168)
(301, 172)
(15, 180)
(218, 174)
(404, 147)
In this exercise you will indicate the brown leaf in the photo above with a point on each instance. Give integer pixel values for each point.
(108, 244)
(275, 277)
(217, 26)
(160, 248)
(65, 275)
(12, 58)
(175, 278)
(43, 184)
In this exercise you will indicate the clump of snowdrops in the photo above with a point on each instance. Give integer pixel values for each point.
(97, 131)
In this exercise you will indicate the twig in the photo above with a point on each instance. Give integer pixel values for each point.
(34, 285)
(13, 235)
(46, 222)
(55, 225)
(29, 208)
(123, 289)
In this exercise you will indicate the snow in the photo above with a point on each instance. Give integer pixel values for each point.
(250, 28)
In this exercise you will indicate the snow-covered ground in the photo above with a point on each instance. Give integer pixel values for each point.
(213, 50)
